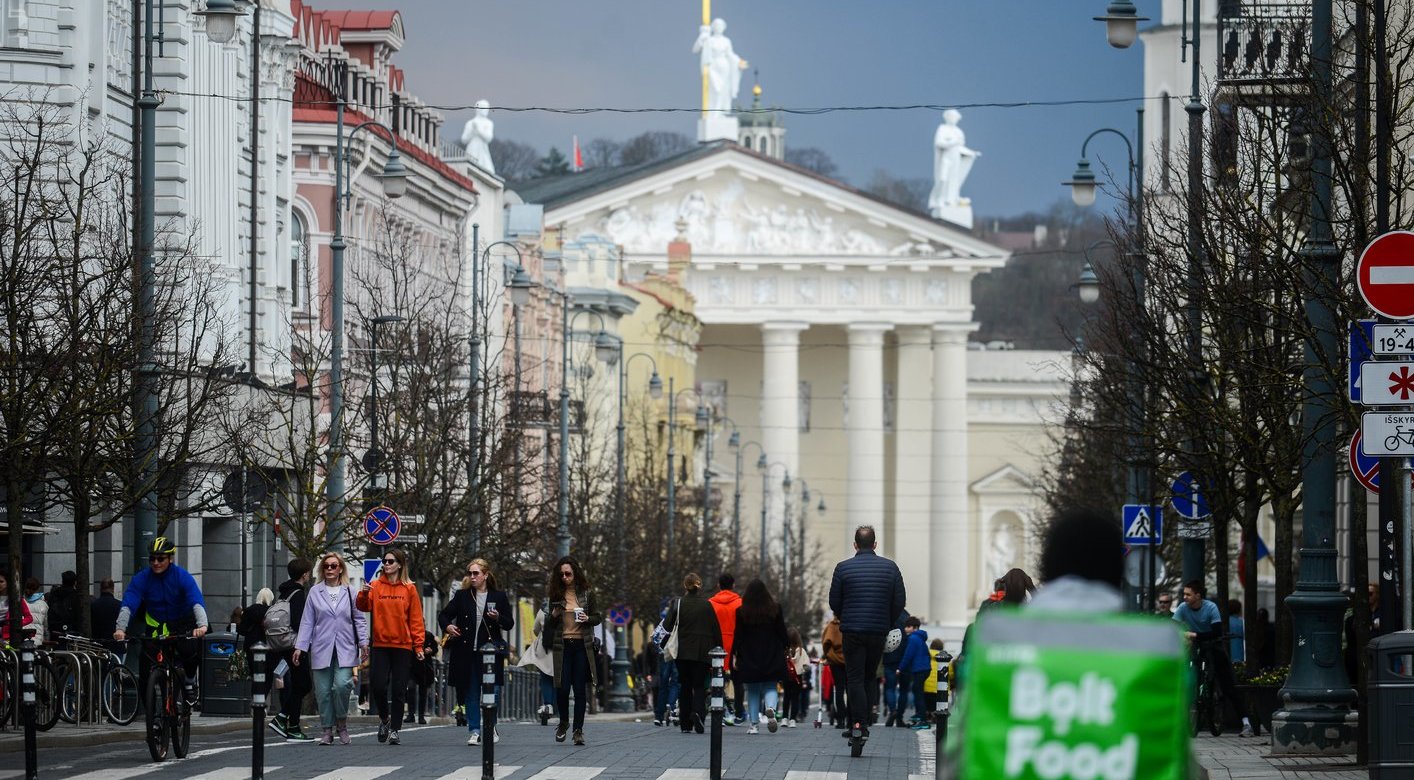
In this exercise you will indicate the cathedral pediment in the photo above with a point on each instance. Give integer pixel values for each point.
(738, 205)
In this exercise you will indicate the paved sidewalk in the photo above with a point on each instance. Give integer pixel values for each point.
(1234, 758)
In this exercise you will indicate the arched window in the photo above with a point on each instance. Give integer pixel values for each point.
(299, 251)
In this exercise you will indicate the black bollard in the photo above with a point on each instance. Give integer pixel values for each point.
(27, 698)
(258, 680)
(941, 710)
(488, 711)
(717, 704)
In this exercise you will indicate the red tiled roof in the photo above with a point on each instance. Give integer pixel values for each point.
(352, 117)
(362, 20)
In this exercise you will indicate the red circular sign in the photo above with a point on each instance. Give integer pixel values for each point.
(1385, 274)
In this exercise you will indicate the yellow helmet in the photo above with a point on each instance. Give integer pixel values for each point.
(162, 546)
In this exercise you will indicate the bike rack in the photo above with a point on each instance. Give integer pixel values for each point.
(86, 668)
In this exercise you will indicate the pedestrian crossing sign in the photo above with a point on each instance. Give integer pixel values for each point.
(1143, 524)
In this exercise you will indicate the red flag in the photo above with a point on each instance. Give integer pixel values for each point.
(578, 157)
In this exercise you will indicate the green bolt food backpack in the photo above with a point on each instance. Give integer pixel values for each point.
(1053, 696)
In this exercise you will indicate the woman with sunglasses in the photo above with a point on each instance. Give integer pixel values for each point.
(397, 637)
(477, 614)
(334, 636)
(567, 635)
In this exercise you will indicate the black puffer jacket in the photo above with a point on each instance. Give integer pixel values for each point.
(866, 592)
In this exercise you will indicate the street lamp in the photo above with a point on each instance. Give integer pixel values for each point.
(1121, 23)
(394, 176)
(145, 384)
(735, 443)
(766, 468)
(373, 460)
(220, 16)
(703, 418)
(519, 296)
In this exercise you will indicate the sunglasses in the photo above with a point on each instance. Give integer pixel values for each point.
(566, 574)
(474, 573)
(333, 566)
(158, 558)
(390, 561)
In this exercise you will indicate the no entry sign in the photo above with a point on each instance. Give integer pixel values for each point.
(1385, 274)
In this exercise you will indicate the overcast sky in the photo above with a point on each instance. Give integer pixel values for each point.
(810, 54)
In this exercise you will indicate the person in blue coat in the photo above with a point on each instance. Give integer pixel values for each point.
(171, 602)
(867, 593)
(913, 669)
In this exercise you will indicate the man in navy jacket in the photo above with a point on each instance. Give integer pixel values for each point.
(867, 594)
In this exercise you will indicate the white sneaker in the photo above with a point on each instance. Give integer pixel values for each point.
(752, 730)
(771, 724)
(496, 735)
(790, 723)
(474, 739)
(761, 718)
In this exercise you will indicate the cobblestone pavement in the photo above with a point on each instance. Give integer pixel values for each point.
(615, 751)
(1235, 758)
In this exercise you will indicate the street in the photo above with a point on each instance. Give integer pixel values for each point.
(526, 752)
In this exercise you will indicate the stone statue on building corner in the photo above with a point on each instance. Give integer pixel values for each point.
(721, 75)
(952, 161)
(476, 137)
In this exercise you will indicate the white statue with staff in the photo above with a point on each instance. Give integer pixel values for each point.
(721, 81)
(952, 161)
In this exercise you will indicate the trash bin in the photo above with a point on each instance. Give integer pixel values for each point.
(224, 691)
(1391, 706)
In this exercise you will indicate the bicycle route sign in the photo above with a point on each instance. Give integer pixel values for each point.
(1383, 434)
(1143, 525)
(1385, 274)
(382, 525)
(1364, 468)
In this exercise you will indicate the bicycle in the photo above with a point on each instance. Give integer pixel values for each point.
(46, 688)
(1207, 707)
(1401, 435)
(168, 715)
(118, 687)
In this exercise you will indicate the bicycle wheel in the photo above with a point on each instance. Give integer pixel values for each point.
(7, 695)
(156, 716)
(46, 695)
(180, 722)
(1197, 711)
(1215, 711)
(68, 692)
(120, 694)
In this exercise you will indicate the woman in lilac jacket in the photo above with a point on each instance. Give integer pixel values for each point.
(335, 637)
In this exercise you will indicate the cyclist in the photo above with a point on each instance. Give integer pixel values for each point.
(1204, 626)
(172, 604)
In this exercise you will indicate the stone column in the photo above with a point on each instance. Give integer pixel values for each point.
(952, 547)
(910, 534)
(866, 428)
(780, 412)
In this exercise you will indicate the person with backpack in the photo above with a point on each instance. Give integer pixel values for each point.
(397, 638)
(282, 622)
(332, 639)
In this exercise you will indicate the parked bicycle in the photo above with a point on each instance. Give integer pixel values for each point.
(117, 686)
(46, 689)
(168, 714)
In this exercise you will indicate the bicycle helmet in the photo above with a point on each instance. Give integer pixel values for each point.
(893, 640)
(162, 546)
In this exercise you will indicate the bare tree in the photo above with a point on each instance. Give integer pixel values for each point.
(653, 145)
(814, 159)
(514, 161)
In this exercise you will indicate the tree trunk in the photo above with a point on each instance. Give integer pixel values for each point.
(83, 541)
(1251, 510)
(1284, 511)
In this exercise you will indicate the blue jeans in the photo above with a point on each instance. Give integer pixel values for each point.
(755, 692)
(667, 688)
(332, 686)
(891, 687)
(547, 689)
(473, 704)
(905, 685)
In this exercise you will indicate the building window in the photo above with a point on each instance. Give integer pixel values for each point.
(299, 251)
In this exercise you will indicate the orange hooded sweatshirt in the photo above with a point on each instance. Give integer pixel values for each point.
(725, 604)
(397, 614)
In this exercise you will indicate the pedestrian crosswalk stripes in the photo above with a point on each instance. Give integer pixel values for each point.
(568, 773)
(233, 773)
(685, 774)
(474, 772)
(798, 774)
(117, 773)
(358, 773)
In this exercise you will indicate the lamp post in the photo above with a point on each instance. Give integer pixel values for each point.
(395, 178)
(1082, 189)
(766, 468)
(620, 697)
(1120, 30)
(700, 417)
(478, 256)
(220, 16)
(373, 461)
(735, 445)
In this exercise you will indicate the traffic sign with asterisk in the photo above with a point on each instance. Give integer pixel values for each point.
(1401, 383)
(1386, 383)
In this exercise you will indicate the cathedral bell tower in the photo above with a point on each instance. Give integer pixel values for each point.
(761, 129)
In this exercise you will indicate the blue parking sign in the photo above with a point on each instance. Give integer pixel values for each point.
(1362, 334)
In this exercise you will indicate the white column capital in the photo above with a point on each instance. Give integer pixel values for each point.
(915, 336)
(951, 334)
(784, 326)
(867, 334)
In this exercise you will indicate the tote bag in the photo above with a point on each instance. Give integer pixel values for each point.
(668, 641)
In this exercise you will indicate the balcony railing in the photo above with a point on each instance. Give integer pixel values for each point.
(1263, 43)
